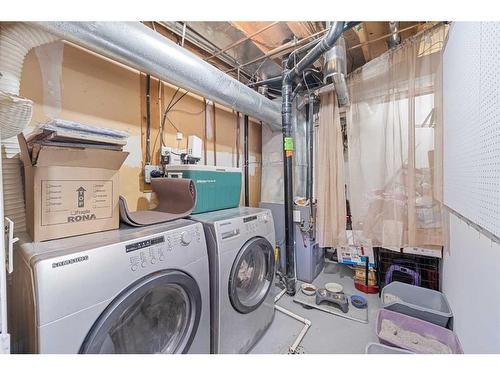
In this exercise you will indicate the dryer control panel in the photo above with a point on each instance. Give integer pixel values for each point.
(150, 251)
(249, 225)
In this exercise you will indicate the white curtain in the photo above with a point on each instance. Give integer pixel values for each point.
(329, 176)
(395, 145)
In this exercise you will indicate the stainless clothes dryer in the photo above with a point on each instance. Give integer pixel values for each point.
(132, 290)
(240, 244)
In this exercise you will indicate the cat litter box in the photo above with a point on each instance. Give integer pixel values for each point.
(425, 329)
(421, 303)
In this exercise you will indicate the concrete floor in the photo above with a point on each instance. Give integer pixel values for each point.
(328, 333)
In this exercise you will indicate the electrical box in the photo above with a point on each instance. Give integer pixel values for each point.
(194, 147)
(170, 155)
(148, 169)
(165, 150)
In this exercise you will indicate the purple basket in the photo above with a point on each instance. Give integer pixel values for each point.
(421, 327)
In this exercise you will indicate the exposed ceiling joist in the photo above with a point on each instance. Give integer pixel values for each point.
(242, 40)
(363, 38)
(303, 29)
(253, 50)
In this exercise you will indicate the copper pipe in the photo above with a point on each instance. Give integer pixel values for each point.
(242, 40)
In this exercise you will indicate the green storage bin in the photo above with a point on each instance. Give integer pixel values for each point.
(217, 188)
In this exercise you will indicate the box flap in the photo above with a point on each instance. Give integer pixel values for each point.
(25, 154)
(49, 156)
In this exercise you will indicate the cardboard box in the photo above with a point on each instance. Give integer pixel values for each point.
(70, 191)
(352, 253)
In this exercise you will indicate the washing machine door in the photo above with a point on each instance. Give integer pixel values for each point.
(251, 275)
(159, 313)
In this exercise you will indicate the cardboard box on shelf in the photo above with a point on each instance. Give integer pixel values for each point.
(352, 255)
(70, 191)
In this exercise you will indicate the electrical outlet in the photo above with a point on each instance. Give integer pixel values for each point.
(147, 172)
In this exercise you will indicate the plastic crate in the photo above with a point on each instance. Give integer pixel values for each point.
(421, 327)
(376, 348)
(408, 268)
(421, 303)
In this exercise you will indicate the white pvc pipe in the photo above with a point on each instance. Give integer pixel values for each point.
(307, 322)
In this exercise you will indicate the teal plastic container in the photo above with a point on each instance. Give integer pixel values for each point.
(217, 188)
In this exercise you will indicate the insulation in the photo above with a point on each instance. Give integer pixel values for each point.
(16, 40)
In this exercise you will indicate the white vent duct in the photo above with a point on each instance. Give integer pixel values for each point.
(137, 46)
(16, 40)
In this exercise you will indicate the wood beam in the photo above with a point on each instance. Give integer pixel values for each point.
(363, 38)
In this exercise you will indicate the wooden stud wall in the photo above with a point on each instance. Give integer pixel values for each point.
(99, 92)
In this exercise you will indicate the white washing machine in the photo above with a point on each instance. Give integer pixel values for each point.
(132, 290)
(240, 245)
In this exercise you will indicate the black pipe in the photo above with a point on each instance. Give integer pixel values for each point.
(302, 83)
(306, 47)
(294, 54)
(325, 44)
(308, 141)
(268, 81)
(245, 161)
(148, 119)
(289, 75)
(238, 139)
(286, 119)
(310, 159)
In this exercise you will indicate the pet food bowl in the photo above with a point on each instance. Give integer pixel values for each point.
(358, 301)
(308, 289)
(334, 287)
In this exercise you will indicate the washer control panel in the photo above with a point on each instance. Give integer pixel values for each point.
(155, 249)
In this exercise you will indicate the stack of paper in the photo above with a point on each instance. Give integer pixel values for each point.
(65, 133)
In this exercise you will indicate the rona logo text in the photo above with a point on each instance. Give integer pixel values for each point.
(84, 215)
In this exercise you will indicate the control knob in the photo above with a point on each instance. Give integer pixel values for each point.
(265, 218)
(186, 238)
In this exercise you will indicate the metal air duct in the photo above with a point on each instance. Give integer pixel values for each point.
(395, 39)
(335, 70)
(136, 45)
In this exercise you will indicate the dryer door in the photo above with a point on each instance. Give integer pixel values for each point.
(251, 275)
(159, 313)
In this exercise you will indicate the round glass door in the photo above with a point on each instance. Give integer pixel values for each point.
(251, 275)
(158, 314)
